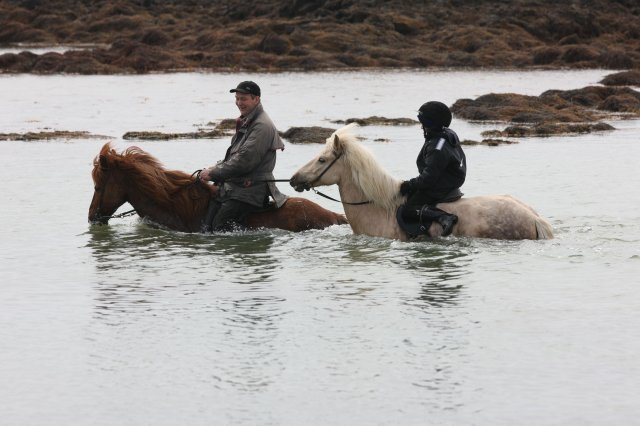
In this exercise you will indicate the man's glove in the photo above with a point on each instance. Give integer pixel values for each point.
(406, 188)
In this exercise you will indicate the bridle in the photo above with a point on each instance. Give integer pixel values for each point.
(325, 195)
(100, 217)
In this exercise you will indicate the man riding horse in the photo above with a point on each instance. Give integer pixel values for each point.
(442, 166)
(245, 176)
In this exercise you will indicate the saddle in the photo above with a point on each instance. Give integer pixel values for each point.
(416, 222)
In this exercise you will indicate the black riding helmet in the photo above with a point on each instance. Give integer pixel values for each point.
(434, 115)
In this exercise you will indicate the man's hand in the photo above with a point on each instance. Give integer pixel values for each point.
(406, 188)
(204, 175)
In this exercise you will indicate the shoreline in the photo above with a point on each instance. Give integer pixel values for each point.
(332, 70)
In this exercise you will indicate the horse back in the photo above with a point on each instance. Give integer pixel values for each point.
(495, 216)
(297, 214)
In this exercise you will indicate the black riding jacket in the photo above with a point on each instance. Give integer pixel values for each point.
(442, 166)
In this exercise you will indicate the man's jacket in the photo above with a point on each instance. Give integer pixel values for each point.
(442, 165)
(250, 161)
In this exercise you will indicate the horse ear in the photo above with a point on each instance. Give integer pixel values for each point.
(103, 159)
(104, 162)
(338, 146)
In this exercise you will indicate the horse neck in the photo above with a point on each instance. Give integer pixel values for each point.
(371, 219)
(184, 214)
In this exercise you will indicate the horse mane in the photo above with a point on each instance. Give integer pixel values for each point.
(148, 176)
(377, 185)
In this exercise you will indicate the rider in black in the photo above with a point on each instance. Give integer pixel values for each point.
(442, 166)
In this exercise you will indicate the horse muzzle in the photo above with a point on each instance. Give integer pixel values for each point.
(298, 184)
(98, 220)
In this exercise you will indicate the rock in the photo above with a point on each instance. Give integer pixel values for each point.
(280, 35)
(378, 121)
(313, 134)
(624, 78)
(554, 112)
(159, 136)
(548, 129)
(49, 135)
(488, 142)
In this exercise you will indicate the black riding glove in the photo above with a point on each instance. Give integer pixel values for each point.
(406, 188)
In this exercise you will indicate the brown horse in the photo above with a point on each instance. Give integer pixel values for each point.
(177, 200)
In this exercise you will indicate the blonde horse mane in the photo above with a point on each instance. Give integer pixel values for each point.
(377, 185)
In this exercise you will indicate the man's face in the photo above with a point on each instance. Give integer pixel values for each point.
(246, 103)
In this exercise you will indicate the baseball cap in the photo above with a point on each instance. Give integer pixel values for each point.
(248, 87)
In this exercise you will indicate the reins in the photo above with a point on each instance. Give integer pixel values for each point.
(120, 215)
(339, 201)
(197, 174)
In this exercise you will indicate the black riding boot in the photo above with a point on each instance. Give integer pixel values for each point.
(411, 214)
(446, 220)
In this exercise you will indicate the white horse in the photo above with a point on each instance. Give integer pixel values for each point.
(347, 163)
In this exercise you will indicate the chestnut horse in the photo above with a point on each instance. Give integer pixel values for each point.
(360, 178)
(177, 200)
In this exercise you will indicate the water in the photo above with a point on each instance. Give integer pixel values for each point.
(130, 325)
(40, 49)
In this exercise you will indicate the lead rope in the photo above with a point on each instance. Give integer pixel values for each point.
(339, 201)
(197, 172)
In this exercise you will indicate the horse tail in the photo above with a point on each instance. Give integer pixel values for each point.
(544, 231)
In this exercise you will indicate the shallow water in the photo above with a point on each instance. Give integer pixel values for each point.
(130, 325)
(41, 49)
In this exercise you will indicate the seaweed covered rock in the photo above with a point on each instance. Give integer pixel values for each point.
(624, 78)
(160, 136)
(313, 134)
(553, 112)
(49, 135)
(378, 121)
(151, 36)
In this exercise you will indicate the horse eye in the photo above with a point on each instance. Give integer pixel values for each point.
(321, 160)
(97, 188)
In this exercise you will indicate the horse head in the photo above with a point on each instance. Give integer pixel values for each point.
(324, 169)
(108, 193)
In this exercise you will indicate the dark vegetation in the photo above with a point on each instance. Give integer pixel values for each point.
(553, 112)
(378, 121)
(313, 134)
(160, 136)
(49, 135)
(141, 36)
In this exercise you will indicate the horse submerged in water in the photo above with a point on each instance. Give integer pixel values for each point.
(177, 200)
(374, 198)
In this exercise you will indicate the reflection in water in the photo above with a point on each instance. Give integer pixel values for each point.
(442, 267)
(135, 263)
(251, 327)
(225, 308)
(438, 266)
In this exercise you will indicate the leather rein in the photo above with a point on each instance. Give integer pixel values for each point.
(196, 174)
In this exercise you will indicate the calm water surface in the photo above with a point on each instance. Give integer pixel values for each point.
(132, 325)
